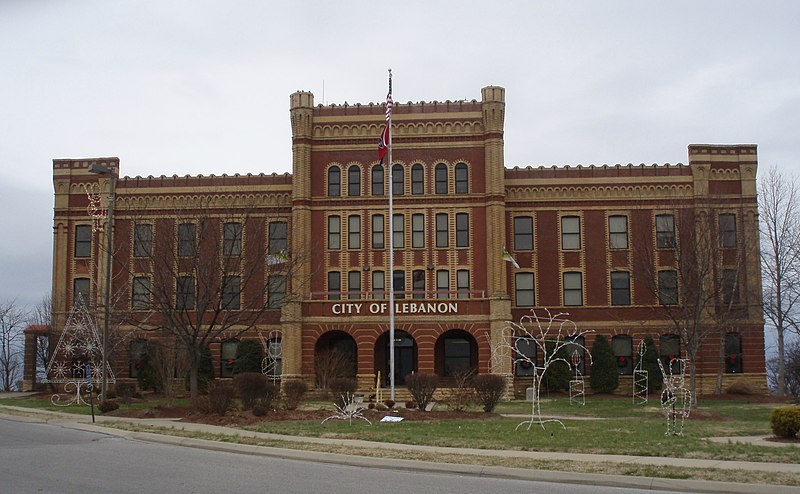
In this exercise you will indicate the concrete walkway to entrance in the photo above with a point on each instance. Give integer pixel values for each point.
(83, 422)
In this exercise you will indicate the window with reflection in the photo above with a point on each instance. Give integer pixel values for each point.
(334, 182)
(398, 180)
(462, 179)
(417, 179)
(440, 178)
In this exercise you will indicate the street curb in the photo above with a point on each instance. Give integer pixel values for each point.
(646, 483)
(82, 422)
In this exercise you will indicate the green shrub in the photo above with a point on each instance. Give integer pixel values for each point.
(605, 375)
(650, 363)
(558, 373)
(147, 379)
(489, 388)
(248, 357)
(108, 406)
(785, 421)
(293, 392)
(422, 386)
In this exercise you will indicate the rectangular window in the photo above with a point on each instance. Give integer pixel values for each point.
(354, 181)
(417, 180)
(378, 285)
(665, 231)
(140, 293)
(623, 353)
(523, 233)
(334, 285)
(462, 230)
(462, 283)
(418, 283)
(525, 356)
(232, 239)
(354, 285)
(83, 241)
(228, 357)
(573, 288)
(399, 283)
(80, 292)
(417, 231)
(620, 288)
(668, 287)
(377, 231)
(377, 180)
(231, 291)
(187, 239)
(727, 231)
(618, 232)
(570, 233)
(462, 179)
(524, 290)
(730, 286)
(334, 232)
(398, 179)
(353, 232)
(670, 351)
(398, 231)
(184, 293)
(733, 353)
(142, 240)
(442, 283)
(442, 233)
(138, 349)
(276, 290)
(277, 237)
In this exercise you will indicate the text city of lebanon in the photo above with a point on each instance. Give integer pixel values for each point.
(402, 307)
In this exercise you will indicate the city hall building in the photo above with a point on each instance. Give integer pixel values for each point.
(308, 252)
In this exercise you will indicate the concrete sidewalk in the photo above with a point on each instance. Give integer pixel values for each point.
(83, 422)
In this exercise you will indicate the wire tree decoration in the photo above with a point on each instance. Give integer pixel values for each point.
(675, 398)
(76, 361)
(577, 390)
(95, 209)
(272, 355)
(350, 408)
(549, 334)
(640, 384)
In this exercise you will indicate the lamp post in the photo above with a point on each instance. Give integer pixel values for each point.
(102, 170)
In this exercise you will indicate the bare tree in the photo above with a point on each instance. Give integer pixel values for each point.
(208, 273)
(686, 278)
(12, 324)
(779, 213)
(791, 366)
(42, 316)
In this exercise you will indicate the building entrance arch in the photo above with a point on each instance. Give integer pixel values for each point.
(335, 355)
(405, 356)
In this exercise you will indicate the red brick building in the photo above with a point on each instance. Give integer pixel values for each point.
(622, 249)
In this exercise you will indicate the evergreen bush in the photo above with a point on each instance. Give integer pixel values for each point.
(785, 421)
(654, 378)
(248, 357)
(558, 373)
(605, 375)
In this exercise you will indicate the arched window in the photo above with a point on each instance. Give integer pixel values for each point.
(377, 180)
(417, 180)
(440, 177)
(623, 353)
(456, 352)
(462, 179)
(334, 181)
(354, 181)
(398, 178)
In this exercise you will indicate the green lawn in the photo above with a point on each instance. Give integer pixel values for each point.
(621, 428)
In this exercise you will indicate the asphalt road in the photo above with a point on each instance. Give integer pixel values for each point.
(47, 458)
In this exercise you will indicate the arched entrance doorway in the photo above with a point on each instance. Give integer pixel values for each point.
(405, 356)
(335, 355)
(456, 353)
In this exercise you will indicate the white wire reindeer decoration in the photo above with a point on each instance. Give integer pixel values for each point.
(675, 398)
(549, 334)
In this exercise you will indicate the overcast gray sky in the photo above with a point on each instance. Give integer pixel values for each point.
(188, 87)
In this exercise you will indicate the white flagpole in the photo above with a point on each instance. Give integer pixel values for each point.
(391, 250)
